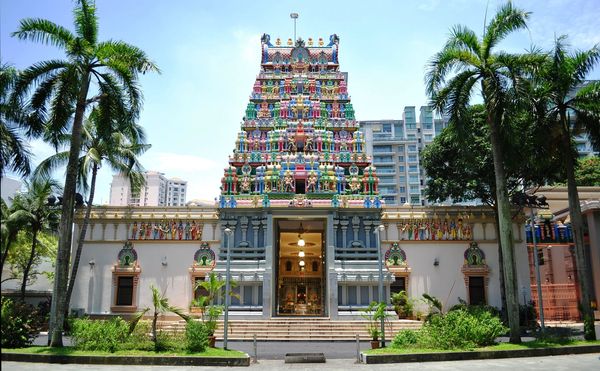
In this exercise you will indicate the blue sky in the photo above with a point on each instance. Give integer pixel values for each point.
(209, 54)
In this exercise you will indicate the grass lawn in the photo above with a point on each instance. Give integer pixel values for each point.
(70, 351)
(503, 346)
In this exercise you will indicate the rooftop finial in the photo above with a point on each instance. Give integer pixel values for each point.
(294, 16)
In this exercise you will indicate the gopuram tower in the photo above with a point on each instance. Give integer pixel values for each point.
(299, 193)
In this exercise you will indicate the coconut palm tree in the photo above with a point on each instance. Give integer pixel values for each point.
(16, 119)
(106, 70)
(465, 63)
(119, 150)
(10, 225)
(32, 208)
(568, 106)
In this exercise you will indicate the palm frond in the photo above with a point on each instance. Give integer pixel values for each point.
(50, 164)
(35, 74)
(136, 319)
(445, 62)
(15, 154)
(44, 31)
(86, 21)
(463, 37)
(585, 61)
(506, 20)
(120, 54)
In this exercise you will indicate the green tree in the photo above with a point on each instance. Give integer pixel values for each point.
(10, 226)
(459, 162)
(119, 149)
(32, 208)
(587, 172)
(476, 63)
(19, 256)
(568, 105)
(16, 120)
(62, 88)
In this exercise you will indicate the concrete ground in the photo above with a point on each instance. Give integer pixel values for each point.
(582, 362)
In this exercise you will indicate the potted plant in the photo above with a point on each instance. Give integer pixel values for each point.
(403, 305)
(374, 333)
(205, 304)
(374, 313)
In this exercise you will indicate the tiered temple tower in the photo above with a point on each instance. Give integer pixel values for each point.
(299, 142)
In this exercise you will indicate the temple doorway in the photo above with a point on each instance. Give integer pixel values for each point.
(300, 257)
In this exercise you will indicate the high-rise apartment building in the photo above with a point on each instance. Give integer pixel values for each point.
(176, 189)
(395, 146)
(158, 191)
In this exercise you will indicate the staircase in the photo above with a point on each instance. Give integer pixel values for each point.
(299, 329)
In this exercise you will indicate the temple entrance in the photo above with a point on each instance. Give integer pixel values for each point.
(300, 254)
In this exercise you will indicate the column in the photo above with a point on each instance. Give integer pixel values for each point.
(269, 286)
(331, 290)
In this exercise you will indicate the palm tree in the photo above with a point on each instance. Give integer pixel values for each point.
(62, 88)
(16, 119)
(32, 208)
(160, 304)
(567, 114)
(120, 150)
(497, 73)
(10, 225)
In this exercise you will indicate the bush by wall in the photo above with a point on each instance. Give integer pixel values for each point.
(458, 329)
(19, 324)
(196, 335)
(100, 335)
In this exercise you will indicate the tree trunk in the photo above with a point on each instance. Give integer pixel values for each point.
(63, 255)
(9, 240)
(506, 233)
(84, 226)
(500, 268)
(29, 264)
(581, 253)
(154, 338)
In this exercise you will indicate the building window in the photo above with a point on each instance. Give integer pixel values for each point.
(401, 168)
(402, 200)
(412, 148)
(413, 168)
(125, 280)
(288, 266)
(476, 290)
(125, 290)
(315, 266)
(402, 189)
(399, 284)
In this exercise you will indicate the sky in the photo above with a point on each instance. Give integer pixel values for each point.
(209, 56)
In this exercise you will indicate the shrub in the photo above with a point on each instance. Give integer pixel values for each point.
(461, 329)
(405, 338)
(171, 341)
(140, 338)
(99, 335)
(196, 336)
(19, 324)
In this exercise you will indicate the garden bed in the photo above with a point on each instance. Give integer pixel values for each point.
(210, 357)
(535, 348)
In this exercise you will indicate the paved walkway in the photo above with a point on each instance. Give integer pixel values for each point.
(581, 362)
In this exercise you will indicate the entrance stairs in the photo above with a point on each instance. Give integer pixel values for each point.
(299, 329)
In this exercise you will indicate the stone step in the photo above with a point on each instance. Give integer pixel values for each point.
(297, 329)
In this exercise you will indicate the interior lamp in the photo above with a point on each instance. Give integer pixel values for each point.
(301, 253)
(301, 242)
(301, 263)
